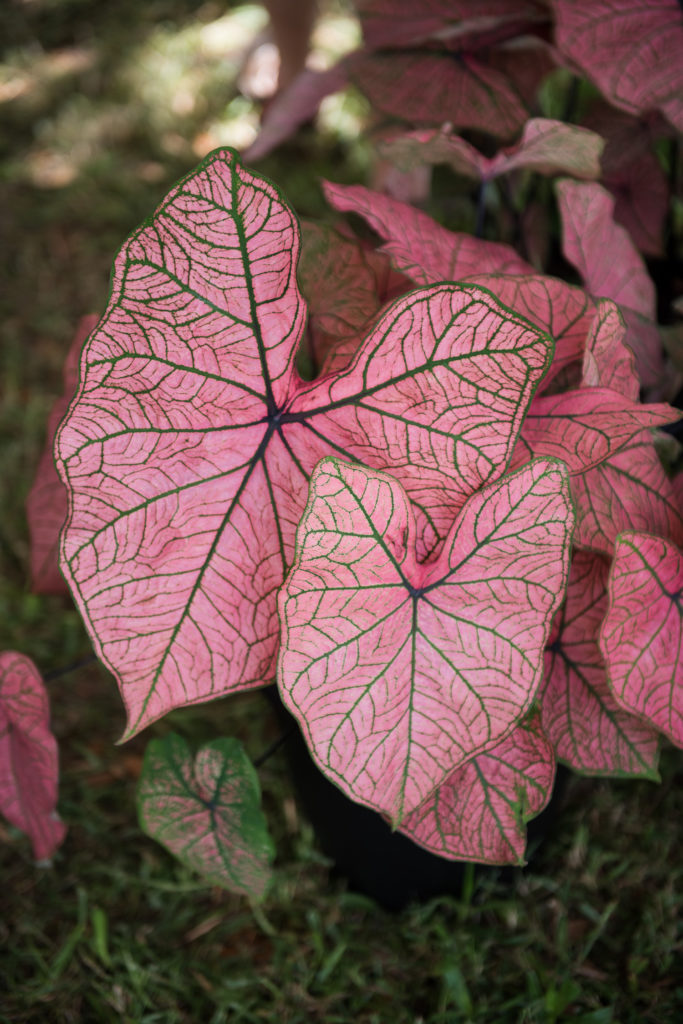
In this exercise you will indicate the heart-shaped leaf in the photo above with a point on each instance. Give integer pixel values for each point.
(424, 87)
(479, 813)
(588, 729)
(400, 672)
(632, 51)
(546, 146)
(28, 755)
(188, 449)
(610, 266)
(207, 811)
(46, 504)
(642, 634)
(417, 245)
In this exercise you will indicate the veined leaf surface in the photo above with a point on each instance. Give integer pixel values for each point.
(632, 51)
(586, 426)
(188, 449)
(642, 634)
(565, 312)
(628, 491)
(401, 672)
(479, 813)
(341, 290)
(430, 88)
(417, 245)
(28, 755)
(207, 811)
(610, 266)
(588, 729)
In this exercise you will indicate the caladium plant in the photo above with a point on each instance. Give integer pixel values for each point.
(410, 479)
(412, 505)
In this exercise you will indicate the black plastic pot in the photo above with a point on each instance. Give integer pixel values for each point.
(380, 863)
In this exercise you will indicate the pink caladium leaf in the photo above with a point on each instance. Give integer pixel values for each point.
(340, 287)
(29, 764)
(480, 812)
(453, 23)
(607, 361)
(588, 729)
(642, 634)
(547, 147)
(628, 491)
(610, 266)
(632, 172)
(584, 427)
(399, 672)
(417, 245)
(431, 88)
(206, 809)
(632, 51)
(188, 449)
(565, 312)
(46, 504)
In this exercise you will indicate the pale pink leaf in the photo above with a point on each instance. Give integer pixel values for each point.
(293, 107)
(399, 672)
(431, 88)
(607, 361)
(548, 147)
(632, 51)
(552, 147)
(628, 491)
(46, 503)
(426, 146)
(480, 812)
(600, 250)
(642, 634)
(417, 245)
(586, 426)
(188, 449)
(588, 729)
(29, 763)
(610, 266)
(206, 809)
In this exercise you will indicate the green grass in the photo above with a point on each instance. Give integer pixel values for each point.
(116, 930)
